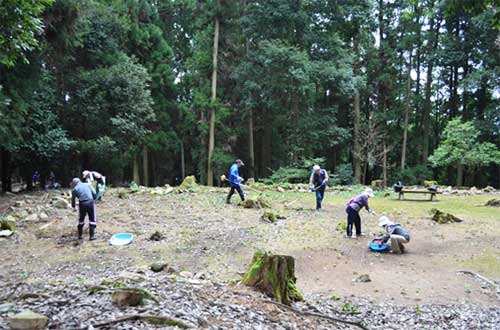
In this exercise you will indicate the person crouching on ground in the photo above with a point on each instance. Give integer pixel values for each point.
(354, 205)
(397, 234)
(317, 182)
(235, 180)
(86, 196)
(91, 176)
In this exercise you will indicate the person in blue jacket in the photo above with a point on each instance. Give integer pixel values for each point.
(234, 180)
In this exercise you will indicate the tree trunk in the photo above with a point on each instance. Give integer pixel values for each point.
(460, 175)
(407, 111)
(251, 153)
(211, 139)
(136, 177)
(266, 144)
(357, 147)
(145, 166)
(183, 162)
(274, 275)
(6, 177)
(428, 90)
(385, 164)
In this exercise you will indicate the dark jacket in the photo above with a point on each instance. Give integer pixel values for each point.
(395, 229)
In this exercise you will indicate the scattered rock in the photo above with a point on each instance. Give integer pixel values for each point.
(28, 321)
(20, 204)
(60, 203)
(158, 267)
(489, 189)
(186, 274)
(188, 184)
(280, 189)
(255, 203)
(271, 216)
(127, 297)
(156, 236)
(364, 278)
(32, 217)
(8, 224)
(493, 202)
(6, 233)
(43, 216)
(442, 217)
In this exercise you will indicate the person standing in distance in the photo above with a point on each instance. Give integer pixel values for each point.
(235, 180)
(317, 182)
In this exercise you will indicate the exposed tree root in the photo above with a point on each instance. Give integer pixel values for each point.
(153, 319)
(323, 316)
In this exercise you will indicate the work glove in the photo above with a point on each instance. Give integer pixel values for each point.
(380, 243)
(323, 183)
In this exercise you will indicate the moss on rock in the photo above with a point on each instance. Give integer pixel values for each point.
(442, 217)
(274, 275)
(6, 224)
(259, 202)
(493, 202)
(188, 184)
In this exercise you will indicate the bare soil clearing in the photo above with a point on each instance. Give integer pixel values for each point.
(213, 240)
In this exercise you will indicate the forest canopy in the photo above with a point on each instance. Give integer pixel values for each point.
(152, 91)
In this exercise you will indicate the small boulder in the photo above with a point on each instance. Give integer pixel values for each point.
(8, 224)
(43, 216)
(127, 297)
(186, 274)
(20, 204)
(158, 267)
(255, 203)
(32, 217)
(280, 189)
(6, 233)
(364, 278)
(493, 202)
(442, 217)
(489, 189)
(28, 321)
(188, 184)
(250, 181)
(60, 203)
(156, 236)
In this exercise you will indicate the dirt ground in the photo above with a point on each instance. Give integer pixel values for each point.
(202, 234)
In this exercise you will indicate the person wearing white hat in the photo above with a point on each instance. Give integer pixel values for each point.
(397, 234)
(90, 177)
(353, 206)
(317, 182)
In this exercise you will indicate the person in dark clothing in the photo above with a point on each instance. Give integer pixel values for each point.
(317, 182)
(354, 205)
(86, 204)
(235, 180)
(394, 232)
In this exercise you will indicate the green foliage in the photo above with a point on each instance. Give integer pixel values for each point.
(20, 28)
(297, 173)
(350, 308)
(343, 175)
(412, 175)
(460, 145)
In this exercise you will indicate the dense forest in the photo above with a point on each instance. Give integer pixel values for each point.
(155, 90)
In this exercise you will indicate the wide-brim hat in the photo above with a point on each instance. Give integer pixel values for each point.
(384, 221)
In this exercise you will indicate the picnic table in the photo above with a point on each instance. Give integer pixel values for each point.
(417, 191)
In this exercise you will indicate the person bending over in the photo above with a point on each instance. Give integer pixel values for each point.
(397, 235)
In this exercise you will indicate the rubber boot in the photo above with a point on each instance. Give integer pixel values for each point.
(318, 205)
(80, 231)
(92, 233)
(228, 200)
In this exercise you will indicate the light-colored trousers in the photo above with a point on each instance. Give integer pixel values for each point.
(397, 243)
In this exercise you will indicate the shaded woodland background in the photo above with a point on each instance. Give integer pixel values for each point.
(152, 91)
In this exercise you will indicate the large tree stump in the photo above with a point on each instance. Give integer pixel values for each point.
(275, 276)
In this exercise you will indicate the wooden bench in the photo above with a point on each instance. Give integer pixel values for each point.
(417, 191)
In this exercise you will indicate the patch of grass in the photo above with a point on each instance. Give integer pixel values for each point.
(350, 308)
(487, 263)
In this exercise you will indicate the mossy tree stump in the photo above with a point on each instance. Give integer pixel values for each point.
(275, 276)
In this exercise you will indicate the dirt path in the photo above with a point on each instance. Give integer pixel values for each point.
(204, 235)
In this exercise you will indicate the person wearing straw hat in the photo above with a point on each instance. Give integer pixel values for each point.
(90, 177)
(235, 180)
(353, 206)
(397, 235)
(317, 182)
